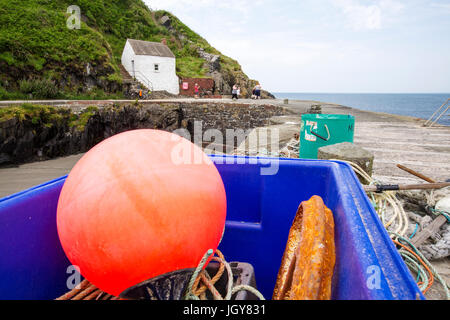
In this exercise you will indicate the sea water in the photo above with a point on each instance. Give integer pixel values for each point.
(414, 105)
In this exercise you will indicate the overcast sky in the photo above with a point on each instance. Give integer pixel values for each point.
(328, 45)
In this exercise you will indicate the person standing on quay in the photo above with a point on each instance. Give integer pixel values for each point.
(196, 90)
(257, 91)
(234, 92)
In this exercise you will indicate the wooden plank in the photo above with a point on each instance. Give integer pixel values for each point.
(436, 225)
(429, 231)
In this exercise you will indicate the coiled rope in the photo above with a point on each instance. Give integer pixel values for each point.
(414, 259)
(382, 201)
(425, 263)
(86, 291)
(196, 291)
(440, 213)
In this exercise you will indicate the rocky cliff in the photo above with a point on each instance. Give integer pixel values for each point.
(32, 132)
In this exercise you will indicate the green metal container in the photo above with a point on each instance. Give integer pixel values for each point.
(319, 130)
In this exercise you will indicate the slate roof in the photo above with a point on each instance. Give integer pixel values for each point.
(147, 48)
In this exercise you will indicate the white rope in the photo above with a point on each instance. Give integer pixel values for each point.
(398, 222)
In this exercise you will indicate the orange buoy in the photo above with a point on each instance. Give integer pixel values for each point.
(132, 209)
(307, 267)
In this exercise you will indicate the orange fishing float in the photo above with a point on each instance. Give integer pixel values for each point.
(139, 205)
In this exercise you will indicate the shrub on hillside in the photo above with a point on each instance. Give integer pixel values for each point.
(39, 88)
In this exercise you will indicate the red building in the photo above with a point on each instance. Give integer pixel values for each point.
(207, 87)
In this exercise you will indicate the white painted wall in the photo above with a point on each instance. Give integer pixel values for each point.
(165, 79)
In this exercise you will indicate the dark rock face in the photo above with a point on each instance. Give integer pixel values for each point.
(224, 81)
(213, 60)
(110, 121)
(23, 141)
(80, 79)
(267, 95)
(28, 140)
(165, 21)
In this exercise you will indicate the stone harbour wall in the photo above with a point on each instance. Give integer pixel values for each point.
(230, 116)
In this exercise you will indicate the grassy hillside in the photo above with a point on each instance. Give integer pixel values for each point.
(41, 58)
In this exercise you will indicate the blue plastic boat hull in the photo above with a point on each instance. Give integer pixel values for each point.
(260, 213)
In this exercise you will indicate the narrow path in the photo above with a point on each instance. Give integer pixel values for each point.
(14, 179)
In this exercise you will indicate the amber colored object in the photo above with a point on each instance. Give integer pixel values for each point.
(307, 267)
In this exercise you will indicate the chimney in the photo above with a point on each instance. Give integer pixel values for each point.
(164, 41)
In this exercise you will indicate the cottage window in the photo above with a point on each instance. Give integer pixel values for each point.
(156, 67)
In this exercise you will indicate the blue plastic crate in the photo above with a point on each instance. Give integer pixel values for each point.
(260, 213)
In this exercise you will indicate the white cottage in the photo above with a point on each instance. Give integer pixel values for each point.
(152, 63)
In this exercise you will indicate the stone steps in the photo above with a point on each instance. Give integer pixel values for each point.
(124, 73)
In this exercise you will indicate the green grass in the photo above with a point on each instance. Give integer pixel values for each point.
(80, 121)
(37, 114)
(48, 116)
(191, 67)
(96, 94)
(33, 33)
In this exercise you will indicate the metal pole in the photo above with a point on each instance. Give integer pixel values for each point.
(434, 114)
(439, 118)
